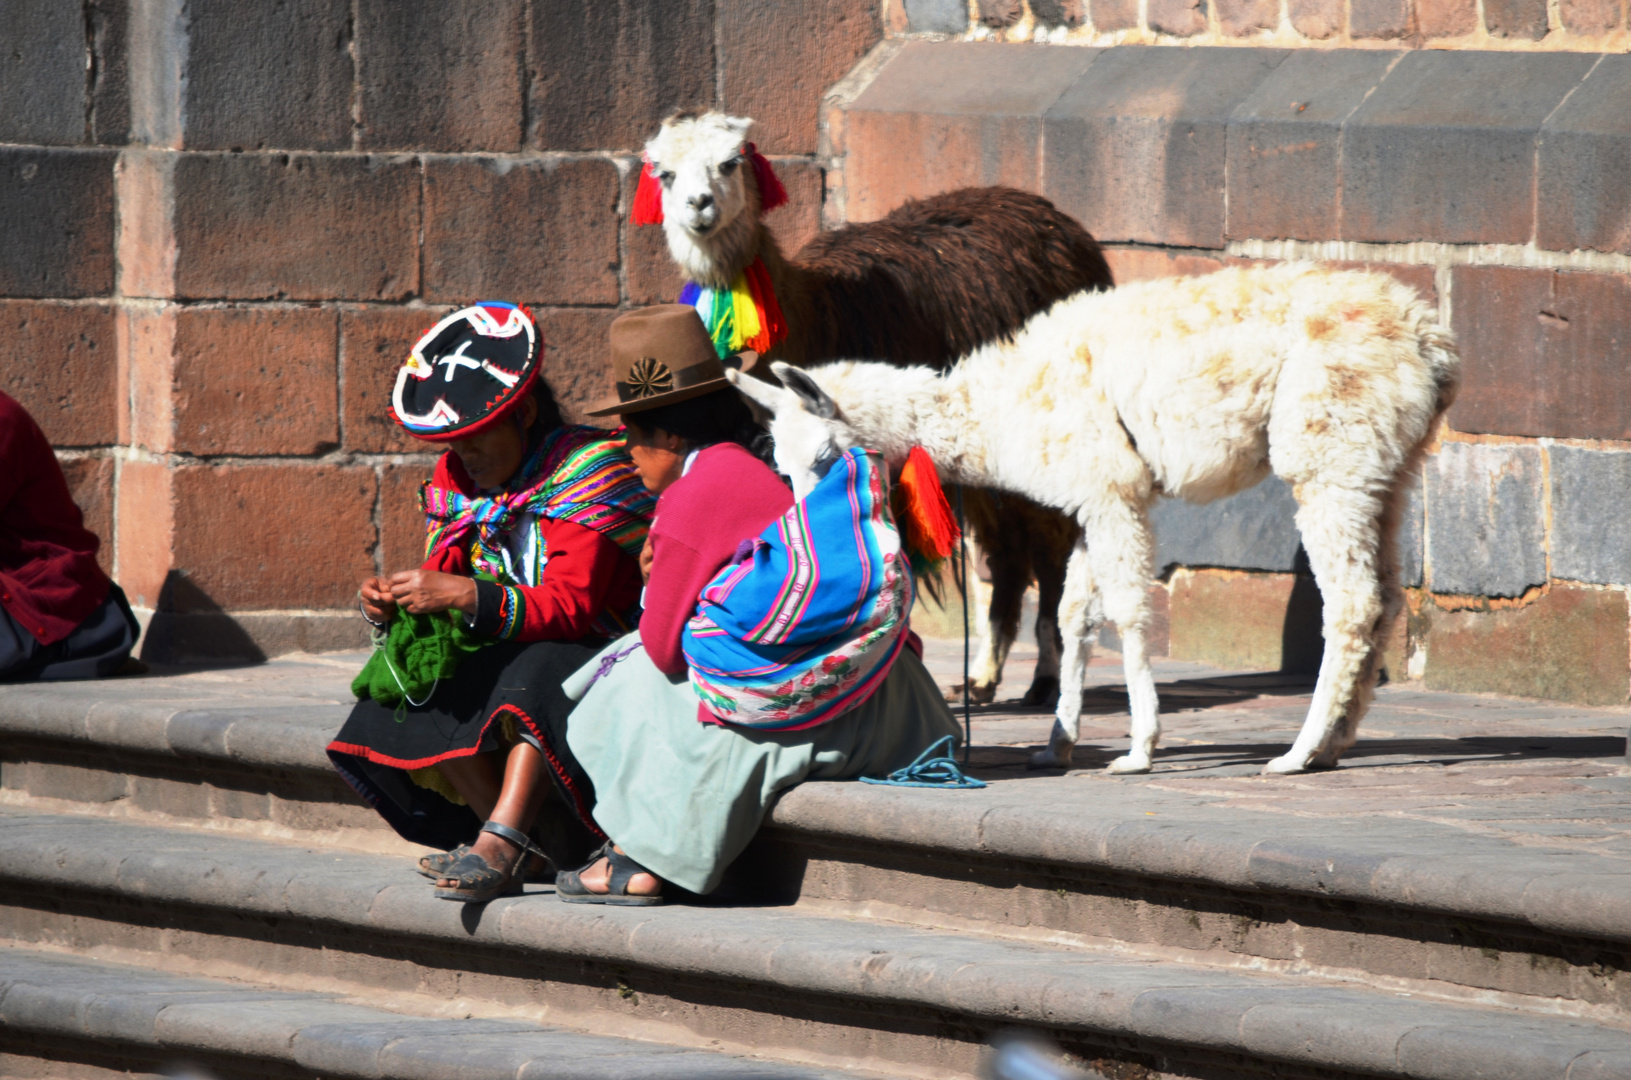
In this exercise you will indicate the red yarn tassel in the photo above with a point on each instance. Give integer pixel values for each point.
(773, 326)
(928, 529)
(771, 192)
(648, 198)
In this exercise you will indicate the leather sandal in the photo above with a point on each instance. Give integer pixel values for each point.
(540, 868)
(438, 863)
(570, 888)
(478, 881)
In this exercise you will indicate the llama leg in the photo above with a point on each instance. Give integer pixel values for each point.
(1341, 532)
(1081, 611)
(1387, 564)
(1050, 587)
(1123, 548)
(1052, 541)
(1009, 575)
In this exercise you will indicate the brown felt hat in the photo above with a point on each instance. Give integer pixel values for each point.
(661, 355)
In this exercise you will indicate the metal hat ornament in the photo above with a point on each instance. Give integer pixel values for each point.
(467, 371)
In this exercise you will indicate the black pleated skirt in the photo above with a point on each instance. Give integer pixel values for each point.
(520, 682)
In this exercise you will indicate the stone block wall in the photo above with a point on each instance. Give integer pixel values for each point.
(226, 221)
(1496, 183)
(1578, 25)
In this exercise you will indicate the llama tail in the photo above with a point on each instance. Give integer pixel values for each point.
(1438, 348)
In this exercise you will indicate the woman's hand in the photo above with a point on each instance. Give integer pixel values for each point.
(646, 555)
(378, 606)
(428, 591)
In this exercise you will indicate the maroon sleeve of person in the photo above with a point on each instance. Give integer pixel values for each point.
(49, 579)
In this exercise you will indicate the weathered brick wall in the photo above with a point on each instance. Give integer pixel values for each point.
(225, 221)
(1496, 183)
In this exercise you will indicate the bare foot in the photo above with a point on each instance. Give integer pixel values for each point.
(597, 877)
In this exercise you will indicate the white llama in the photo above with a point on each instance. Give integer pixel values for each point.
(1190, 387)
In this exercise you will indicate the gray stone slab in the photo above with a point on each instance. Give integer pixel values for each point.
(354, 1049)
(1445, 148)
(1362, 1033)
(1136, 147)
(1600, 1065)
(42, 74)
(937, 16)
(1502, 1045)
(57, 203)
(286, 737)
(1585, 165)
(268, 76)
(1590, 489)
(497, 1052)
(260, 1028)
(1411, 541)
(973, 78)
(1485, 519)
(1253, 530)
(1285, 143)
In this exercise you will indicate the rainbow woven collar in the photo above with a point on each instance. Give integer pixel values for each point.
(745, 316)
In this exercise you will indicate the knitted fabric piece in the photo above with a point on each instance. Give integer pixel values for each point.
(417, 652)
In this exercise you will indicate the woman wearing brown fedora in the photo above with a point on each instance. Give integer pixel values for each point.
(678, 793)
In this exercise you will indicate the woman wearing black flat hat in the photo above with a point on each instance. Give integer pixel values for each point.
(533, 533)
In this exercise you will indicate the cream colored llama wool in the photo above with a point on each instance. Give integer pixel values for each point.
(1194, 388)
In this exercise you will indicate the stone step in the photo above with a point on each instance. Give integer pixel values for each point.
(1420, 904)
(67, 1015)
(780, 982)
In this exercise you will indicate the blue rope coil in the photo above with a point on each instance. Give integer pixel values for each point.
(934, 768)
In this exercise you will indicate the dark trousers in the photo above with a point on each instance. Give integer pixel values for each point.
(96, 648)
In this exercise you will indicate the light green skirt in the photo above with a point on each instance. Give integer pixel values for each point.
(683, 798)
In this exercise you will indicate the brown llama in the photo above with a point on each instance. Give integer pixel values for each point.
(924, 285)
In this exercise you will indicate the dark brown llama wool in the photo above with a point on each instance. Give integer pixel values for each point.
(926, 284)
(933, 280)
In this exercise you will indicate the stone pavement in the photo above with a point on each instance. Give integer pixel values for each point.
(1534, 773)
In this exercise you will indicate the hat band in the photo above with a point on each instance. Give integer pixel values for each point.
(710, 370)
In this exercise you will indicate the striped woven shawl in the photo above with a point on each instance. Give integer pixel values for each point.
(579, 474)
(806, 622)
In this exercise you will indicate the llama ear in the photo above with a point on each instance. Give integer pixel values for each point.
(767, 397)
(815, 399)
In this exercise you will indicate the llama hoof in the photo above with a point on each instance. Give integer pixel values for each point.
(1285, 765)
(977, 694)
(1044, 691)
(1049, 759)
(1128, 764)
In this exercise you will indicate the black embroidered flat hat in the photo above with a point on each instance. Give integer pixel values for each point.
(663, 354)
(467, 371)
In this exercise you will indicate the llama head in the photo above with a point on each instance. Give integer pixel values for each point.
(810, 433)
(709, 208)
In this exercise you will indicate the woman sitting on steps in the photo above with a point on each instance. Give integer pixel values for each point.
(534, 533)
(679, 791)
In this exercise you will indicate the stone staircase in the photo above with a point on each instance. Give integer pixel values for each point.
(183, 879)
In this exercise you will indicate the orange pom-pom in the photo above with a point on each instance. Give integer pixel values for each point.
(648, 198)
(928, 529)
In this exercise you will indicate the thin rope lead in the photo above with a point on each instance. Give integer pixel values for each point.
(962, 585)
(934, 768)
